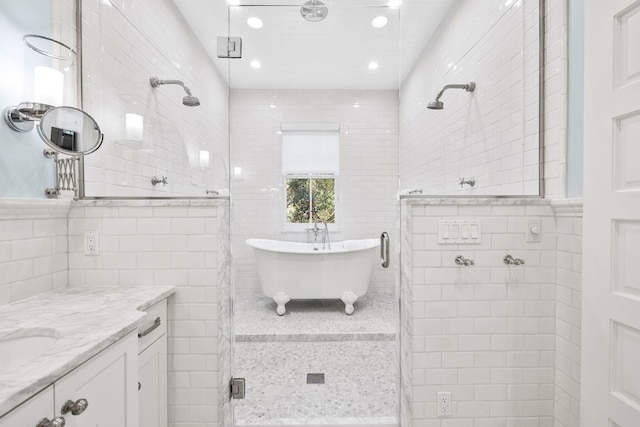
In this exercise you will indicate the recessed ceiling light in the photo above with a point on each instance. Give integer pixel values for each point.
(379, 22)
(373, 66)
(356, 105)
(254, 22)
(256, 64)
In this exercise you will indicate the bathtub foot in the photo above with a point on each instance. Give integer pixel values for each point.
(349, 298)
(281, 299)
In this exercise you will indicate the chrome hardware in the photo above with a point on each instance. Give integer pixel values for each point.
(213, 192)
(162, 181)
(49, 154)
(56, 422)
(65, 175)
(416, 191)
(229, 47)
(509, 260)
(471, 182)
(236, 388)
(384, 250)
(150, 329)
(139, 385)
(460, 260)
(325, 237)
(76, 408)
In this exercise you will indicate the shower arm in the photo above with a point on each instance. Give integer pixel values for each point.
(155, 82)
(469, 87)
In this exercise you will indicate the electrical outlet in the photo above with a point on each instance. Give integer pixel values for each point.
(91, 243)
(444, 403)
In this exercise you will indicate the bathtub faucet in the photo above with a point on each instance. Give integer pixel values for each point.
(315, 230)
(325, 236)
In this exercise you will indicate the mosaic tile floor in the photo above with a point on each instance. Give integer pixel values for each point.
(359, 386)
(355, 353)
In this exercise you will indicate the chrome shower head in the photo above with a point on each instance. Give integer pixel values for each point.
(439, 105)
(314, 11)
(189, 100)
(436, 105)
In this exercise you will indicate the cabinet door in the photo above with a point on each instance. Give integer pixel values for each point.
(108, 382)
(152, 376)
(32, 411)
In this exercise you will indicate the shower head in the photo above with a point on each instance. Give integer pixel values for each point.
(439, 105)
(436, 105)
(189, 100)
(314, 11)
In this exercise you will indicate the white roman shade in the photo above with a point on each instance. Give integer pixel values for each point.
(310, 151)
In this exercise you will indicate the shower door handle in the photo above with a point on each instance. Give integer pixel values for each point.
(384, 250)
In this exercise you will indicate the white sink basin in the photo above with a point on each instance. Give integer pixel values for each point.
(20, 346)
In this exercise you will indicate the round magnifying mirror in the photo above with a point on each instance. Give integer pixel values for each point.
(71, 131)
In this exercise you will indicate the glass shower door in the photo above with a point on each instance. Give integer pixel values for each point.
(314, 177)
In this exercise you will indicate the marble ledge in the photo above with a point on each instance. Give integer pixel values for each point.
(85, 321)
(23, 208)
(306, 337)
(417, 199)
(153, 202)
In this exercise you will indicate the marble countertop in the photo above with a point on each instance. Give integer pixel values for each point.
(85, 321)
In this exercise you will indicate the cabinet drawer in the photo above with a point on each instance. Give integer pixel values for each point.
(150, 328)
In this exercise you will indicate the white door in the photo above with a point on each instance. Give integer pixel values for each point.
(611, 273)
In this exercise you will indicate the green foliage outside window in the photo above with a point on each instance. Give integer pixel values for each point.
(310, 194)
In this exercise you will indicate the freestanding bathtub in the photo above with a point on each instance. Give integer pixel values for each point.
(290, 270)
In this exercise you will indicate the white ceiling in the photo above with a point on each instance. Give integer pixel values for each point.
(330, 54)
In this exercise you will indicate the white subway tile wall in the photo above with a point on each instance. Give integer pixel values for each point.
(33, 256)
(126, 42)
(366, 186)
(146, 243)
(490, 135)
(568, 318)
(485, 333)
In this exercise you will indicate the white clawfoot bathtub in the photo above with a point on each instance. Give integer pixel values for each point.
(290, 270)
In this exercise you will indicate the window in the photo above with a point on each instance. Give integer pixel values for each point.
(310, 169)
(306, 196)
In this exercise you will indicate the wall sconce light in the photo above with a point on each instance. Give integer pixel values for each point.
(237, 173)
(204, 159)
(48, 84)
(134, 126)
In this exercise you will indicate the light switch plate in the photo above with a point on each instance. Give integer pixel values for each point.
(459, 231)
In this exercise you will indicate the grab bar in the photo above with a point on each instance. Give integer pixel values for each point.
(384, 250)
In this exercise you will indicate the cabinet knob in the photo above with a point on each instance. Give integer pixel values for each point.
(76, 408)
(56, 422)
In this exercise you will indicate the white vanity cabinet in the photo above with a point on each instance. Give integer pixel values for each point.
(107, 382)
(152, 367)
(31, 412)
(102, 391)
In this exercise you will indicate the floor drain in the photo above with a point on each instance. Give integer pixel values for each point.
(315, 378)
